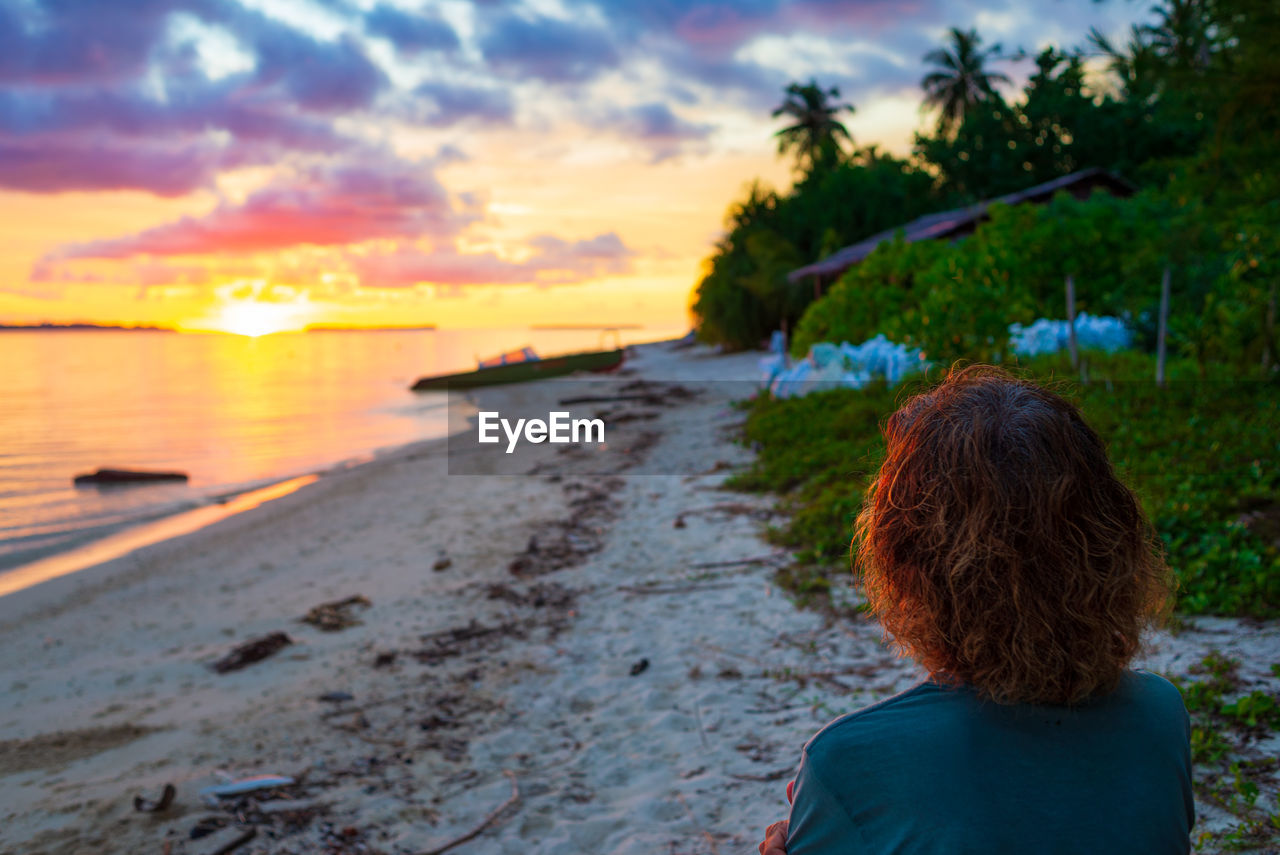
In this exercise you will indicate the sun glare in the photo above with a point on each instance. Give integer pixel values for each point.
(253, 318)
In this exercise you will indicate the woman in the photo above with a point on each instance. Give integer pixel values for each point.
(1000, 551)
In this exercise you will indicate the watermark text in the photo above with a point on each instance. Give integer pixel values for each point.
(558, 428)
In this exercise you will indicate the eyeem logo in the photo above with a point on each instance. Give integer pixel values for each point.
(558, 428)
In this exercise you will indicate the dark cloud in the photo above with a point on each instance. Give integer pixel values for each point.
(85, 111)
(548, 49)
(187, 111)
(664, 134)
(314, 75)
(324, 206)
(698, 42)
(410, 32)
(443, 104)
(64, 165)
(75, 41)
(554, 261)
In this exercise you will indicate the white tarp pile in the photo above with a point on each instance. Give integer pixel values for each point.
(1093, 332)
(845, 365)
(849, 366)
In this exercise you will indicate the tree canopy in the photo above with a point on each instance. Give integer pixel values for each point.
(1188, 109)
(815, 134)
(960, 81)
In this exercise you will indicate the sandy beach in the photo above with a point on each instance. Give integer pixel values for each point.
(565, 663)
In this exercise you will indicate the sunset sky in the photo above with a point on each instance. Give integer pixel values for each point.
(265, 164)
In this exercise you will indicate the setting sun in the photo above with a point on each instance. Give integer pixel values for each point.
(253, 318)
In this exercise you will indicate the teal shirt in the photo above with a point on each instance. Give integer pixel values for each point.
(941, 770)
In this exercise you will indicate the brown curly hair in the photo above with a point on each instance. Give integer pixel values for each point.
(999, 549)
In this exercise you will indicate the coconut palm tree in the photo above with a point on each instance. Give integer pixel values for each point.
(1181, 32)
(815, 134)
(961, 82)
(1136, 64)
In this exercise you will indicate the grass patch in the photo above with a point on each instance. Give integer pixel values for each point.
(1224, 721)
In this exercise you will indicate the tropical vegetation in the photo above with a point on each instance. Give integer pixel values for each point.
(1188, 110)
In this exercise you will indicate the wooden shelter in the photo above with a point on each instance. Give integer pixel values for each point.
(957, 223)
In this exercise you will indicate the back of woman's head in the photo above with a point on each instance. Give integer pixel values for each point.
(998, 547)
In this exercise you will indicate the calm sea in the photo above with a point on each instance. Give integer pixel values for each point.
(235, 413)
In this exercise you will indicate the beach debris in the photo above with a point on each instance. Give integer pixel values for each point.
(485, 823)
(208, 825)
(385, 659)
(336, 615)
(566, 543)
(252, 651)
(114, 477)
(679, 523)
(443, 563)
(143, 804)
(467, 639)
(246, 785)
(540, 595)
(639, 667)
(336, 697)
(224, 840)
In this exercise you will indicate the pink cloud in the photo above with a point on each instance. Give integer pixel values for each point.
(554, 261)
(322, 207)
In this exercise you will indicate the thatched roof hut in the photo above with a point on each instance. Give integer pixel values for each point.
(961, 221)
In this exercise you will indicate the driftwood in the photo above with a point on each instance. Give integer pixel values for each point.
(485, 823)
(252, 651)
(129, 476)
(331, 617)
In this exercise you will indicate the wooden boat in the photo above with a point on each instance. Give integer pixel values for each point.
(523, 371)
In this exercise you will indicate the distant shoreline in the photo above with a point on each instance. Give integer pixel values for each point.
(47, 327)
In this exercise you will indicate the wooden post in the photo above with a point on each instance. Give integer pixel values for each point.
(1269, 349)
(1162, 329)
(1071, 321)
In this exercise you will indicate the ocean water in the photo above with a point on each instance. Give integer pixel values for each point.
(235, 413)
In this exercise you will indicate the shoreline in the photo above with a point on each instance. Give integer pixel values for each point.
(116, 540)
(124, 538)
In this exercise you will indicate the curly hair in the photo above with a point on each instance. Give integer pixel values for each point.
(998, 548)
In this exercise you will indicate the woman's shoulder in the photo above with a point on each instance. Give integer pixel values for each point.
(1151, 693)
(897, 713)
(932, 709)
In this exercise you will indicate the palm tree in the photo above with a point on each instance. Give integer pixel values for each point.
(815, 134)
(1136, 65)
(1181, 32)
(960, 83)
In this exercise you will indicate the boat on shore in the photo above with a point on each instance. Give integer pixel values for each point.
(521, 367)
